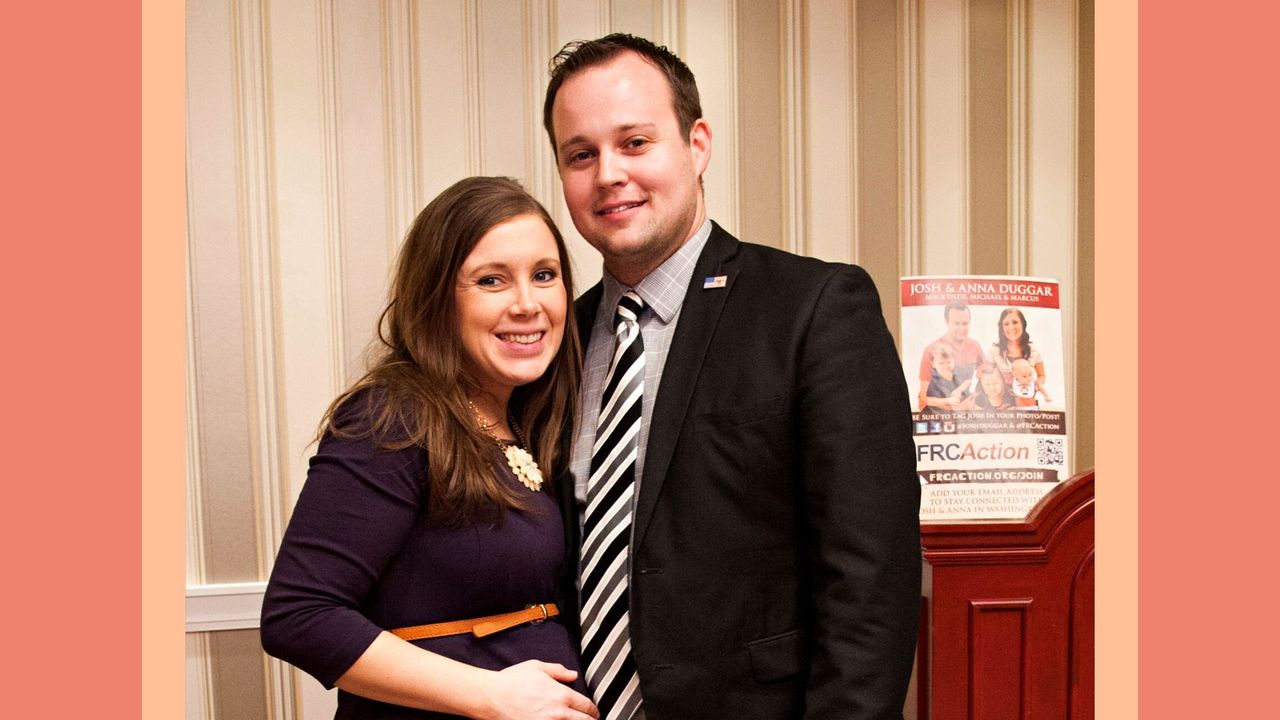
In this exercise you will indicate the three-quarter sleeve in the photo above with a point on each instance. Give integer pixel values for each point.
(357, 507)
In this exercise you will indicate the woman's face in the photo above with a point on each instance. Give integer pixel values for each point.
(1011, 325)
(511, 305)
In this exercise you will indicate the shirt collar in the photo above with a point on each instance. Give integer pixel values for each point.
(663, 289)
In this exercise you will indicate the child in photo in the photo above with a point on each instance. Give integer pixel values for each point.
(994, 395)
(1025, 386)
(947, 390)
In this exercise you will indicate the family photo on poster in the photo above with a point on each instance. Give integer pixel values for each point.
(984, 365)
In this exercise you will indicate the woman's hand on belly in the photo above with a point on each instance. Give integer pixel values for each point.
(534, 689)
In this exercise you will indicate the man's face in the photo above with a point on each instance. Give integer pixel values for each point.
(630, 177)
(958, 325)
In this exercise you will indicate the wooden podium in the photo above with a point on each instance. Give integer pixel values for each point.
(1008, 631)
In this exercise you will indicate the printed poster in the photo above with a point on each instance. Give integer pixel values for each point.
(984, 364)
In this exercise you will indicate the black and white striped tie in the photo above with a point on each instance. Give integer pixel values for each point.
(606, 638)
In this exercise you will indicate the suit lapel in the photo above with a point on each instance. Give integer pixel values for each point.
(698, 317)
(585, 309)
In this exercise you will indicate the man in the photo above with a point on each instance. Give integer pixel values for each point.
(967, 352)
(744, 465)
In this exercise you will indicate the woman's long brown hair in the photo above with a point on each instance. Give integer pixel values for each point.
(418, 383)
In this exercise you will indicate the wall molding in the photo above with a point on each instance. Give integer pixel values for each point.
(473, 127)
(966, 148)
(1019, 148)
(733, 166)
(909, 122)
(194, 481)
(253, 168)
(852, 136)
(1073, 328)
(794, 150)
(256, 180)
(538, 42)
(604, 11)
(331, 185)
(224, 606)
(199, 680)
(401, 101)
(672, 11)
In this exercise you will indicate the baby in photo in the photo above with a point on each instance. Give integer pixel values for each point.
(1025, 386)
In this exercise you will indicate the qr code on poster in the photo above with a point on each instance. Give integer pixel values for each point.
(1050, 451)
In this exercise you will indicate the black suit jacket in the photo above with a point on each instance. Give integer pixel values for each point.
(775, 567)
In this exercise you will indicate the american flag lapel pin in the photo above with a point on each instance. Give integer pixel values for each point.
(715, 281)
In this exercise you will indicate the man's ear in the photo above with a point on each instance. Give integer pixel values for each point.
(700, 145)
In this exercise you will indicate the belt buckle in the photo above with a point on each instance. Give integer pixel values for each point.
(541, 607)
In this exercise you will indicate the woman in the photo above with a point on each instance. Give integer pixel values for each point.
(1015, 342)
(428, 500)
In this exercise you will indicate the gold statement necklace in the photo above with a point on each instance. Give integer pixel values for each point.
(521, 462)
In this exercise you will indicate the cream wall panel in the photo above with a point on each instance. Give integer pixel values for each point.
(445, 107)
(222, 360)
(543, 181)
(401, 105)
(363, 189)
(672, 23)
(259, 282)
(638, 17)
(711, 53)
(194, 505)
(238, 685)
(505, 114)
(1082, 333)
(580, 20)
(306, 166)
(223, 677)
(829, 120)
(1053, 248)
(909, 185)
(1019, 153)
(307, 210)
(943, 129)
(1051, 125)
(197, 690)
(794, 100)
(880, 170)
(989, 131)
(262, 414)
(761, 138)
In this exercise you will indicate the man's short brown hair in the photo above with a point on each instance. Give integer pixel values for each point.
(579, 55)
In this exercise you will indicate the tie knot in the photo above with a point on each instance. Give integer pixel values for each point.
(629, 308)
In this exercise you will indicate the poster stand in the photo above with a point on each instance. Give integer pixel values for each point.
(1009, 616)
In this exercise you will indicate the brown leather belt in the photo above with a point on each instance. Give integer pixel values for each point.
(480, 626)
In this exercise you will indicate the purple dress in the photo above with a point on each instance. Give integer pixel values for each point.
(360, 556)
